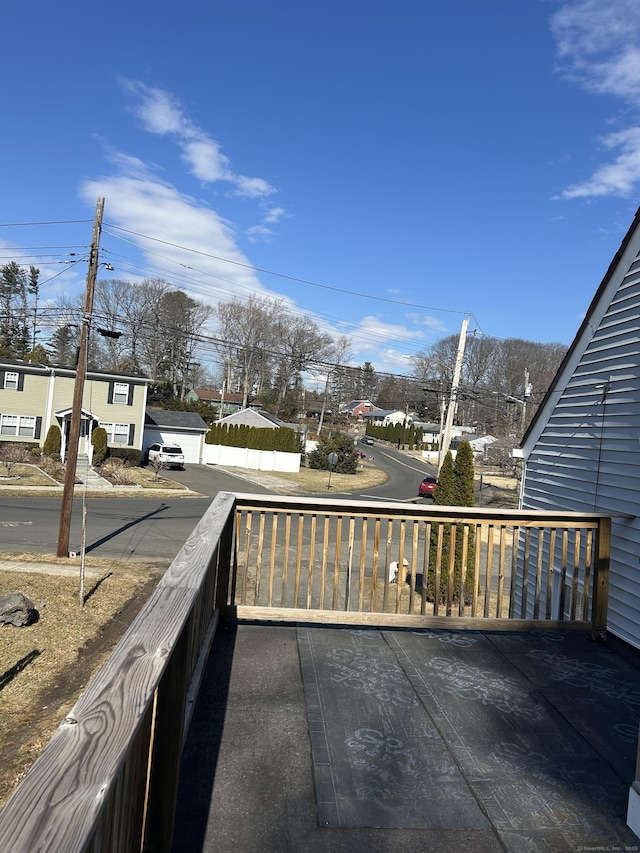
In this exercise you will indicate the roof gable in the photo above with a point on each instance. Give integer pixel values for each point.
(618, 269)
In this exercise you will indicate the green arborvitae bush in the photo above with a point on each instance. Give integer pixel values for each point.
(99, 444)
(53, 442)
(284, 439)
(455, 488)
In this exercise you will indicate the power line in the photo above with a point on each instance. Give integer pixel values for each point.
(287, 277)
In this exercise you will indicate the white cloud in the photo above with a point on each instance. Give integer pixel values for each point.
(598, 48)
(615, 178)
(160, 113)
(141, 202)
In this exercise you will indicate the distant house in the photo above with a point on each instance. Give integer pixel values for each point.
(358, 409)
(34, 397)
(478, 443)
(169, 427)
(253, 418)
(225, 402)
(387, 417)
(582, 450)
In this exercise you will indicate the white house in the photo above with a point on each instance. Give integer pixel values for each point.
(582, 450)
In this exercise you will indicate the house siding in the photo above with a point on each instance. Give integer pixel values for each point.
(46, 391)
(587, 456)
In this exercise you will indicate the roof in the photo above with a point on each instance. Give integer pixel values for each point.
(220, 396)
(618, 268)
(91, 374)
(163, 418)
(252, 417)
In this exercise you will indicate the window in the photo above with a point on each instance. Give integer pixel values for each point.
(23, 425)
(11, 380)
(121, 392)
(117, 433)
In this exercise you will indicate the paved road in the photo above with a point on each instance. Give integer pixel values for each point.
(155, 528)
(119, 528)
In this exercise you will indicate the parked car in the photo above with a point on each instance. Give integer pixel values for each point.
(170, 455)
(360, 455)
(366, 439)
(427, 487)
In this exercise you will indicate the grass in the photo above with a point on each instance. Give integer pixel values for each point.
(44, 667)
(311, 480)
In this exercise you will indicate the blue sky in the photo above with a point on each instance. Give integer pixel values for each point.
(383, 167)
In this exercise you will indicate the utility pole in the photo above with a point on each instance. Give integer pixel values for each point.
(78, 389)
(446, 437)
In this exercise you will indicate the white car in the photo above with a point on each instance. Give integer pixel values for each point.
(170, 455)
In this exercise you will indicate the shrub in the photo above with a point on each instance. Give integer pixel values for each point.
(99, 444)
(129, 455)
(342, 445)
(116, 472)
(53, 442)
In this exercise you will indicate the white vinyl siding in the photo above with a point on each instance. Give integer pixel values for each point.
(587, 457)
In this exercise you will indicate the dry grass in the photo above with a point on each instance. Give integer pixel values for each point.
(26, 475)
(311, 480)
(44, 667)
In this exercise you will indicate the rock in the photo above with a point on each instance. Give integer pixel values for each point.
(17, 610)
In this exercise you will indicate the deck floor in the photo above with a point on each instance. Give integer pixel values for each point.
(332, 739)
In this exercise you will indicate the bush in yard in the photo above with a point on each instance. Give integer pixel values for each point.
(116, 472)
(12, 453)
(99, 444)
(128, 455)
(455, 488)
(340, 444)
(53, 442)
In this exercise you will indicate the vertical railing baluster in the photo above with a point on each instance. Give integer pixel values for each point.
(296, 585)
(503, 545)
(312, 557)
(336, 565)
(363, 563)
(489, 567)
(285, 558)
(552, 551)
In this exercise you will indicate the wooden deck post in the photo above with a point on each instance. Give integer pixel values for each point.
(601, 579)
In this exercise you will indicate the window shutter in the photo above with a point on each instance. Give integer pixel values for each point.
(38, 427)
(130, 397)
(110, 393)
(1, 379)
(20, 381)
(132, 433)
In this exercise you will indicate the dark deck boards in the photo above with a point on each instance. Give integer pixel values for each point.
(327, 739)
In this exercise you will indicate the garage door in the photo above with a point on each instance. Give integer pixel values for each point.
(189, 442)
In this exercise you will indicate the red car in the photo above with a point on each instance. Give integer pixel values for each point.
(427, 487)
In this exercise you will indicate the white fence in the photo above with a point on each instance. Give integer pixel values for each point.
(256, 460)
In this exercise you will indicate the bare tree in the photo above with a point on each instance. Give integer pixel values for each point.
(299, 343)
(246, 329)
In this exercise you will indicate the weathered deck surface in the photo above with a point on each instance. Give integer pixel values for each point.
(323, 740)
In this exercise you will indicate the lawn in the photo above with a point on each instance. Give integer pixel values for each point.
(44, 667)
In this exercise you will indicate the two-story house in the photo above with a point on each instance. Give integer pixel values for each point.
(33, 397)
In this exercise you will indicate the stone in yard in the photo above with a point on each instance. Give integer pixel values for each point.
(17, 610)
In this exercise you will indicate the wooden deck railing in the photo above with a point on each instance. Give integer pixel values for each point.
(327, 560)
(107, 780)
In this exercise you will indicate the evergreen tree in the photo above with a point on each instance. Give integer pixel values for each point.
(455, 488)
(342, 445)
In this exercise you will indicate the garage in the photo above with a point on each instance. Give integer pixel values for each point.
(184, 428)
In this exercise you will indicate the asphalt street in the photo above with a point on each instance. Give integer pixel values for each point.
(130, 529)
